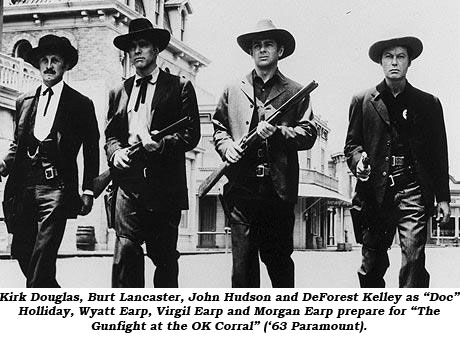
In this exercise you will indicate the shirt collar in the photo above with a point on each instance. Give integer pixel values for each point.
(383, 88)
(154, 74)
(57, 89)
(276, 76)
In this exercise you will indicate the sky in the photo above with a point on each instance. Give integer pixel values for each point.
(332, 42)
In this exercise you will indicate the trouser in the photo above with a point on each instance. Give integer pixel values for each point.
(265, 227)
(403, 211)
(38, 233)
(134, 225)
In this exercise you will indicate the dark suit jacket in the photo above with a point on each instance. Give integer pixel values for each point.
(76, 125)
(369, 130)
(232, 120)
(174, 98)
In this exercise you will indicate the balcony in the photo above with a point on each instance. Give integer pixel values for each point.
(313, 177)
(16, 76)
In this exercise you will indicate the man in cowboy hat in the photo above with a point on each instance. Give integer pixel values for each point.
(52, 123)
(262, 192)
(152, 191)
(396, 146)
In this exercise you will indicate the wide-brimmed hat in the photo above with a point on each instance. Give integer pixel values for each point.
(142, 28)
(53, 44)
(414, 47)
(265, 29)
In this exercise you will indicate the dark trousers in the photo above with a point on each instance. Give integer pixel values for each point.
(38, 233)
(403, 211)
(261, 224)
(134, 225)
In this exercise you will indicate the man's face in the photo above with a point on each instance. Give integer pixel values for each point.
(395, 62)
(52, 68)
(143, 55)
(266, 53)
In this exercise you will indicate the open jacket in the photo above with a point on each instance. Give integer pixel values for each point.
(369, 131)
(76, 126)
(232, 119)
(174, 98)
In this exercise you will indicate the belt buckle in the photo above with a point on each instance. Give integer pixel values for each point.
(392, 180)
(260, 171)
(50, 173)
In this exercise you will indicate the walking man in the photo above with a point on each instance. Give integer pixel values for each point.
(263, 187)
(51, 125)
(396, 146)
(152, 188)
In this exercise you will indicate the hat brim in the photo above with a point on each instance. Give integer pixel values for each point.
(158, 36)
(281, 36)
(413, 44)
(69, 53)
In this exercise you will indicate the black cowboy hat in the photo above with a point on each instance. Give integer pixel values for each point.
(414, 47)
(142, 28)
(265, 29)
(53, 44)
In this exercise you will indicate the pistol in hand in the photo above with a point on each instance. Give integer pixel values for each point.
(363, 168)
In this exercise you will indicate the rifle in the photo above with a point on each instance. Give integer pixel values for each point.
(103, 180)
(252, 137)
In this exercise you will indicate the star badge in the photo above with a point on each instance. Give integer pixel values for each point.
(404, 114)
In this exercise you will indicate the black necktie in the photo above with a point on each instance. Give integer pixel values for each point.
(48, 91)
(143, 82)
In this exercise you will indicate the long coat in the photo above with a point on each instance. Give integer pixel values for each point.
(76, 126)
(369, 131)
(174, 98)
(232, 121)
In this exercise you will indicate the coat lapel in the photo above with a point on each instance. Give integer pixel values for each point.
(160, 90)
(246, 87)
(380, 107)
(29, 109)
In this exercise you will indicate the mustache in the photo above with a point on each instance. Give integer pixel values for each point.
(49, 71)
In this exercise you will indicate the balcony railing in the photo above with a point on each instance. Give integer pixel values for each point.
(313, 177)
(18, 75)
(41, 2)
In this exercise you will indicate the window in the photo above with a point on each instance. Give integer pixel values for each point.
(182, 26)
(21, 49)
(157, 12)
(323, 159)
(139, 7)
(309, 159)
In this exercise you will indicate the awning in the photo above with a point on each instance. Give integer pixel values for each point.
(311, 190)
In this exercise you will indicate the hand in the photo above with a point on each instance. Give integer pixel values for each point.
(2, 166)
(87, 204)
(288, 132)
(150, 145)
(233, 153)
(121, 159)
(265, 130)
(442, 212)
(363, 172)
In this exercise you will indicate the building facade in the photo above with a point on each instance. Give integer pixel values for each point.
(91, 26)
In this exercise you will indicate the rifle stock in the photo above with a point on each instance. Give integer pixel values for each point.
(104, 179)
(252, 138)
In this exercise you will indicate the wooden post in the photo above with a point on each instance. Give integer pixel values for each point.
(1, 24)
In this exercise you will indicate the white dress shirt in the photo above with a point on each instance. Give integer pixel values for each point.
(43, 124)
(139, 122)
